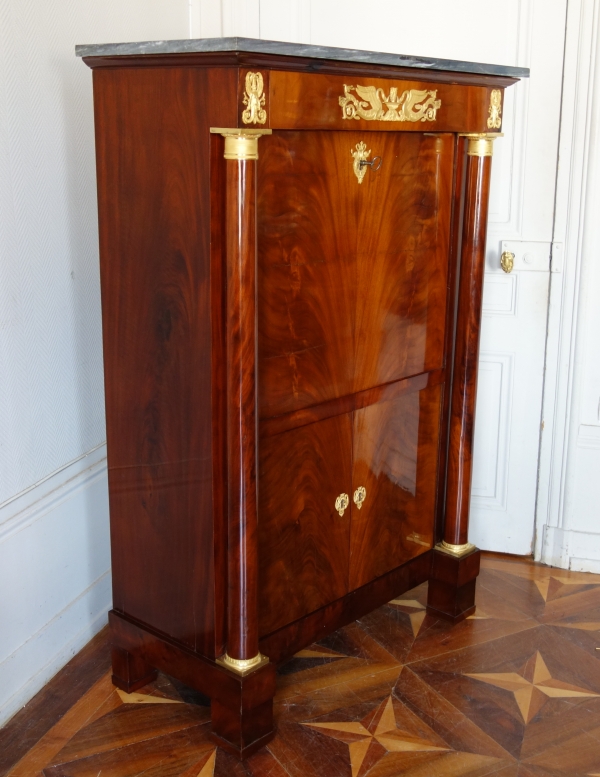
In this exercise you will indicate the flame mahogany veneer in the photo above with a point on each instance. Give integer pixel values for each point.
(276, 335)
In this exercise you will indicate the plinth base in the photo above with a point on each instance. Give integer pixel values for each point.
(452, 584)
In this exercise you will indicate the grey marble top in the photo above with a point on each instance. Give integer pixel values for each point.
(253, 45)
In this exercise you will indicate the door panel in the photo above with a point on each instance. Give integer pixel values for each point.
(351, 277)
(402, 257)
(505, 462)
(395, 461)
(303, 542)
(306, 228)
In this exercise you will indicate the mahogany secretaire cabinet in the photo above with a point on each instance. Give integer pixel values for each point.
(292, 253)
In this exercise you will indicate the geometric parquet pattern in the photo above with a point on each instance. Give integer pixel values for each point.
(513, 691)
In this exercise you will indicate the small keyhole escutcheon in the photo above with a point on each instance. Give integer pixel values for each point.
(341, 503)
(359, 496)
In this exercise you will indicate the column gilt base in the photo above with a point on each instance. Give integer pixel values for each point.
(243, 666)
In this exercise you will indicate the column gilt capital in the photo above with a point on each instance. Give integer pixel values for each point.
(481, 143)
(240, 144)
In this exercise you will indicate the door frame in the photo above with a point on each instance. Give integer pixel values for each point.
(558, 426)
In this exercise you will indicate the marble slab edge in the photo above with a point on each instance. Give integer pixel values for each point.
(256, 46)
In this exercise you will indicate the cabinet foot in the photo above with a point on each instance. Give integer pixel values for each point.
(239, 725)
(241, 705)
(130, 671)
(452, 585)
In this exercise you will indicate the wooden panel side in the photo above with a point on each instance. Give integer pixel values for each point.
(153, 150)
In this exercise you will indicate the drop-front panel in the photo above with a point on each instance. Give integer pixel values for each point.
(351, 277)
(291, 255)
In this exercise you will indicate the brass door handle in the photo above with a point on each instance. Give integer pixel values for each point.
(507, 261)
(359, 496)
(341, 503)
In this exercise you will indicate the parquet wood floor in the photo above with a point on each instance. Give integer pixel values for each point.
(513, 691)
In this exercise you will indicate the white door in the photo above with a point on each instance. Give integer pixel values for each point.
(527, 33)
(509, 399)
(515, 305)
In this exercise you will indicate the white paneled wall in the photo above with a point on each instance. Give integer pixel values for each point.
(290, 21)
(54, 553)
(54, 576)
(569, 495)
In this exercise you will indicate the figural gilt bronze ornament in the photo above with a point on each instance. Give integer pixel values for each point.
(254, 100)
(412, 105)
(495, 118)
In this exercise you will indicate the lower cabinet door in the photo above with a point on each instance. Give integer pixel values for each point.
(304, 541)
(394, 483)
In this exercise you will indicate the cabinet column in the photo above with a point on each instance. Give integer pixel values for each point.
(466, 354)
(456, 560)
(241, 154)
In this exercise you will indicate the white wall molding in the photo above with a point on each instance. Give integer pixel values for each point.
(289, 20)
(23, 673)
(54, 575)
(589, 436)
(32, 504)
(224, 18)
(241, 17)
(492, 440)
(506, 208)
(500, 294)
(579, 551)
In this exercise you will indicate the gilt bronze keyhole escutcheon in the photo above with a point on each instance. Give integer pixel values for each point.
(359, 496)
(341, 503)
(361, 161)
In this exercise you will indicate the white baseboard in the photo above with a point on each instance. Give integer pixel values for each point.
(50, 642)
(575, 550)
(54, 576)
